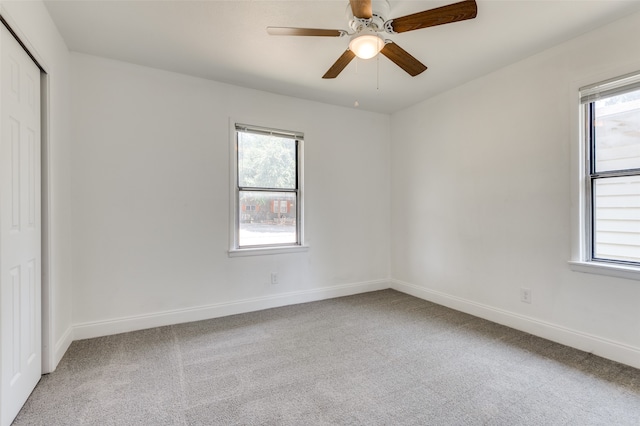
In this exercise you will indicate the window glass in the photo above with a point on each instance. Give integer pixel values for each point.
(272, 222)
(268, 191)
(613, 140)
(617, 132)
(617, 218)
(266, 161)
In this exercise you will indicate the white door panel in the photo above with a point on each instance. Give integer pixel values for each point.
(20, 229)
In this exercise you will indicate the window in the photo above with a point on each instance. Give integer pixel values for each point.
(267, 189)
(611, 123)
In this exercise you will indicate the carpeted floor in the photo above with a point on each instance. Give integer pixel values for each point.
(381, 358)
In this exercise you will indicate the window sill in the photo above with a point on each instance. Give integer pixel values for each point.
(601, 268)
(266, 251)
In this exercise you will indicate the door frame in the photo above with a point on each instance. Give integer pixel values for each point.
(48, 343)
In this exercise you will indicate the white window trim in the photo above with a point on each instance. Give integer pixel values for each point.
(601, 268)
(266, 251)
(580, 204)
(234, 250)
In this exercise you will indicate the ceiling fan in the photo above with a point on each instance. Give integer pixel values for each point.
(368, 21)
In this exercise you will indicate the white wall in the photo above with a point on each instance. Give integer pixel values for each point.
(483, 197)
(150, 196)
(31, 21)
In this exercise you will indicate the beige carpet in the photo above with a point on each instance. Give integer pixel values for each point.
(381, 358)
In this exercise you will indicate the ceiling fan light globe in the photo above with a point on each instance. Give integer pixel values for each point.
(366, 46)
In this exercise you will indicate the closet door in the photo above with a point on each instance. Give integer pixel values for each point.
(20, 228)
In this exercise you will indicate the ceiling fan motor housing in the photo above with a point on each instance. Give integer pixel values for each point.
(380, 9)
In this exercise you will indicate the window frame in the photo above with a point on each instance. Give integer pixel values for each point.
(584, 259)
(235, 249)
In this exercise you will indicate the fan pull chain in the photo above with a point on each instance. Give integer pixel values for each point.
(378, 71)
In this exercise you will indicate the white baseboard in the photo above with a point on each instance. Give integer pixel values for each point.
(609, 349)
(159, 319)
(61, 347)
(605, 348)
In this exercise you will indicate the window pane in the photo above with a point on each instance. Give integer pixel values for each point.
(271, 220)
(617, 132)
(617, 218)
(266, 161)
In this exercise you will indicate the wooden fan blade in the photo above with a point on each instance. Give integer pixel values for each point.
(340, 64)
(441, 15)
(361, 8)
(291, 31)
(403, 59)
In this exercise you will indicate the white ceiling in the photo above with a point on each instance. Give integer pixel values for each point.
(226, 41)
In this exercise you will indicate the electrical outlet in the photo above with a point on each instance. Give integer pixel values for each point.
(274, 278)
(525, 295)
